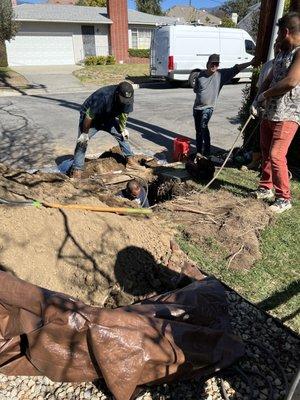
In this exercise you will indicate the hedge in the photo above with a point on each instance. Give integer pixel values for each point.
(100, 60)
(141, 53)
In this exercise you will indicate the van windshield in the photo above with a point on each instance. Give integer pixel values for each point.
(249, 47)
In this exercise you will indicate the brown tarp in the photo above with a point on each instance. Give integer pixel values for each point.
(176, 335)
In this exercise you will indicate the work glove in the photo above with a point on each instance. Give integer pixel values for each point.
(83, 138)
(125, 134)
(254, 108)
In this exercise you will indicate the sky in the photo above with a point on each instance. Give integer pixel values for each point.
(167, 3)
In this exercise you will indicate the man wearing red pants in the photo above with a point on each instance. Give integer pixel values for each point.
(282, 115)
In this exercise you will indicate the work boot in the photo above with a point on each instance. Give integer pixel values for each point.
(76, 174)
(132, 164)
(263, 194)
(280, 205)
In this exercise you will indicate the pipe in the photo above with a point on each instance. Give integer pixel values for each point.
(278, 14)
(228, 155)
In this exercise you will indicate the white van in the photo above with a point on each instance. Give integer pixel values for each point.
(178, 52)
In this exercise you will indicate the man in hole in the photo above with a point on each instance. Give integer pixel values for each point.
(134, 191)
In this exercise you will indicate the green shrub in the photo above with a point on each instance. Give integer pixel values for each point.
(110, 60)
(90, 60)
(99, 60)
(141, 53)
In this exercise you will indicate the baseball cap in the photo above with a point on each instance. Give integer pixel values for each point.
(214, 58)
(125, 92)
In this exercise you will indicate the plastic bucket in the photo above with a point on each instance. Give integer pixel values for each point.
(181, 148)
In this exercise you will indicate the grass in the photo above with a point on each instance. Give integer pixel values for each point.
(11, 79)
(273, 282)
(112, 74)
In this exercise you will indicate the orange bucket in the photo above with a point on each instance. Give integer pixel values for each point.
(181, 148)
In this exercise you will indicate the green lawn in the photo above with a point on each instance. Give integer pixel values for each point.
(111, 74)
(273, 283)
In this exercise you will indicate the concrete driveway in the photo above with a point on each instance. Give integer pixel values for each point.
(37, 129)
(51, 79)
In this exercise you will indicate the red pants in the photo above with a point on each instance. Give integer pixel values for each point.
(275, 139)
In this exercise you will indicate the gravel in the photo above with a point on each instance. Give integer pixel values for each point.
(260, 375)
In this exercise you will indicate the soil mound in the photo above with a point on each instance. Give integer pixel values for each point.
(113, 260)
(224, 226)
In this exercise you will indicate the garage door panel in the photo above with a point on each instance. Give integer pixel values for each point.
(40, 50)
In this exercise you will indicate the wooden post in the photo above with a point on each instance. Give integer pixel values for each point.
(265, 27)
(295, 5)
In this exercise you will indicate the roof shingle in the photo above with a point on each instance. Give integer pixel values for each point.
(79, 14)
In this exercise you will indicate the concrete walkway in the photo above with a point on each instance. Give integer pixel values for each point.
(51, 79)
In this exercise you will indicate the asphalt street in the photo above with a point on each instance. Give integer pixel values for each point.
(160, 114)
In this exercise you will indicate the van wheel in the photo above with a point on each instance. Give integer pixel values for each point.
(192, 79)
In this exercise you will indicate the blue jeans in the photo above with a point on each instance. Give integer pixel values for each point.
(112, 127)
(202, 118)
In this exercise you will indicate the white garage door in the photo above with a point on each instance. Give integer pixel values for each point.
(37, 49)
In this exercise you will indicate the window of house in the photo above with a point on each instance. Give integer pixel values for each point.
(134, 38)
(144, 38)
(250, 47)
(141, 38)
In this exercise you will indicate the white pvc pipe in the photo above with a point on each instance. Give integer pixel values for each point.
(278, 14)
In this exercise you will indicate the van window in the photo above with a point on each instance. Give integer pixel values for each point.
(250, 47)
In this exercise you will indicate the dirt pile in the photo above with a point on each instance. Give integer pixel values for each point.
(79, 253)
(223, 226)
(112, 260)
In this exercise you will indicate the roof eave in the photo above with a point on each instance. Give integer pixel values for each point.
(63, 21)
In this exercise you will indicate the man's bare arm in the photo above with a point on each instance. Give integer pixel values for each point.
(288, 83)
(246, 65)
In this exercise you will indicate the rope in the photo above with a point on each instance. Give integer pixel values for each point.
(228, 155)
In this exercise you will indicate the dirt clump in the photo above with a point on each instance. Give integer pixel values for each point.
(225, 227)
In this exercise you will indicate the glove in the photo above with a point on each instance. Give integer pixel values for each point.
(83, 138)
(125, 134)
(253, 109)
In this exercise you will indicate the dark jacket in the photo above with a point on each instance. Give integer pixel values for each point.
(103, 106)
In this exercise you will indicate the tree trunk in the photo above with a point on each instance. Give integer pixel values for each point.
(295, 5)
(265, 27)
(3, 55)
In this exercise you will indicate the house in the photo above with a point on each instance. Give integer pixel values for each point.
(186, 14)
(64, 2)
(250, 22)
(53, 34)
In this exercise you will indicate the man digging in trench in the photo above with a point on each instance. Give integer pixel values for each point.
(107, 109)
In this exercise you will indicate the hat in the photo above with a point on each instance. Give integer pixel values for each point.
(125, 92)
(214, 58)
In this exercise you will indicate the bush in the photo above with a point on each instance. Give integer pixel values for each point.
(110, 60)
(99, 60)
(141, 53)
